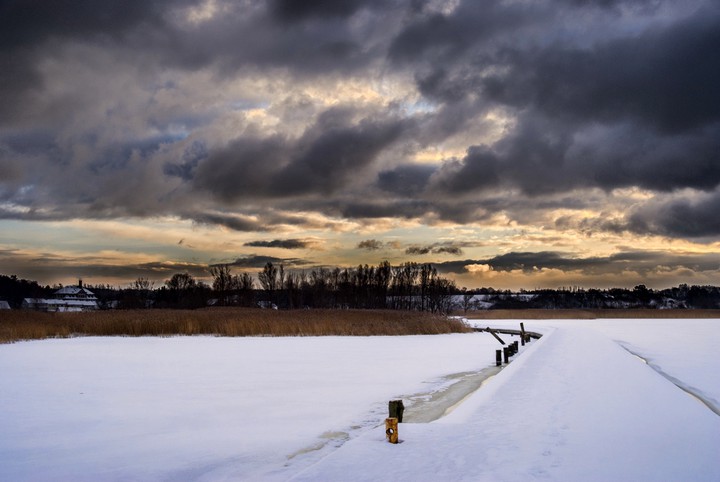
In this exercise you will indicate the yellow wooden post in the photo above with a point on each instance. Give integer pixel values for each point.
(391, 429)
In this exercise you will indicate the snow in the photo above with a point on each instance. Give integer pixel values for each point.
(574, 405)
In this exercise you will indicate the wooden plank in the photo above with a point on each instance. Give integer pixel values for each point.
(492, 332)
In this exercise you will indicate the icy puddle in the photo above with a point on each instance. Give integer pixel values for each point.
(421, 407)
(426, 407)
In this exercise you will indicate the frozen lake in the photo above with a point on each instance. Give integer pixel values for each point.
(204, 408)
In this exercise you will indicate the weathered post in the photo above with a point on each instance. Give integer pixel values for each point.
(506, 354)
(498, 358)
(391, 429)
(396, 409)
(492, 332)
(522, 333)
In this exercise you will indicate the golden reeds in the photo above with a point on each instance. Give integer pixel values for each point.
(29, 325)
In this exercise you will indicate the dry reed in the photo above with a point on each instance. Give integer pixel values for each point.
(30, 325)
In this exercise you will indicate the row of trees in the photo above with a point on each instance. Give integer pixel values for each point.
(409, 286)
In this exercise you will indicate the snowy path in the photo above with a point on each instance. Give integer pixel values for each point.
(574, 406)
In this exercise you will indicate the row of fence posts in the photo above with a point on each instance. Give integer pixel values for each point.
(503, 356)
(396, 407)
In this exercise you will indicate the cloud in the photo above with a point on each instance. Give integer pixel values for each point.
(235, 222)
(289, 10)
(283, 116)
(370, 245)
(636, 261)
(438, 248)
(280, 243)
(695, 217)
(257, 261)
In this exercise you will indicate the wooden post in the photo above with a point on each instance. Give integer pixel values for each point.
(396, 409)
(522, 333)
(492, 332)
(498, 358)
(506, 354)
(391, 429)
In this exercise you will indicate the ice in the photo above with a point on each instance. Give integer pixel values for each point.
(574, 405)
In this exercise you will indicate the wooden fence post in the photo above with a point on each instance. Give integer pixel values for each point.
(522, 333)
(498, 358)
(391, 429)
(396, 409)
(492, 332)
(506, 354)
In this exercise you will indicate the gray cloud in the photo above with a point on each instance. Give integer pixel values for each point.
(438, 248)
(639, 261)
(234, 222)
(280, 243)
(599, 94)
(328, 156)
(256, 261)
(683, 218)
(370, 245)
(290, 10)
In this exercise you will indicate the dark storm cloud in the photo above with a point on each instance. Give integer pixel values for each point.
(637, 261)
(596, 112)
(28, 26)
(443, 248)
(370, 245)
(680, 218)
(256, 261)
(383, 208)
(598, 94)
(327, 157)
(47, 268)
(31, 22)
(666, 78)
(231, 221)
(407, 180)
(291, 10)
(280, 243)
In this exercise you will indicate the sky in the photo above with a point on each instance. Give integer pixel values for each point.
(512, 144)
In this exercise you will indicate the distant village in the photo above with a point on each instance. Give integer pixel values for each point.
(409, 286)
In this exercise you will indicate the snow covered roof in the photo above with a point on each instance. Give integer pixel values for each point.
(4, 305)
(60, 302)
(74, 291)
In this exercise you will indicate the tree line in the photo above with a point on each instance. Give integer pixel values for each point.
(409, 286)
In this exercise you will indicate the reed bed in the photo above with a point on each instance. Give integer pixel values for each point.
(29, 325)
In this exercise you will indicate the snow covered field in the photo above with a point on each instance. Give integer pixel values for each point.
(575, 405)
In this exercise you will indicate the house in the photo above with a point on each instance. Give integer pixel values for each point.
(4, 305)
(69, 298)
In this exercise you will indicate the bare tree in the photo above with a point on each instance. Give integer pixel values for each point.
(222, 281)
(180, 282)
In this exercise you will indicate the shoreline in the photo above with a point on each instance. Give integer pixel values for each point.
(588, 314)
